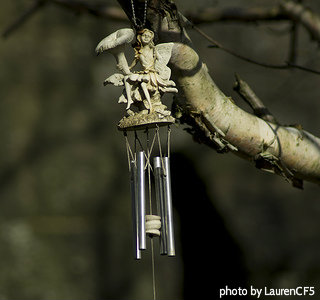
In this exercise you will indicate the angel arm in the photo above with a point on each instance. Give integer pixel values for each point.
(134, 63)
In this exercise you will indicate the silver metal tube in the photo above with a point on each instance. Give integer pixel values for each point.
(158, 174)
(134, 205)
(141, 200)
(169, 210)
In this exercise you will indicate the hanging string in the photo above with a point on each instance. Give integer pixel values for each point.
(149, 171)
(137, 140)
(153, 271)
(130, 155)
(160, 151)
(149, 154)
(168, 141)
(135, 143)
(149, 151)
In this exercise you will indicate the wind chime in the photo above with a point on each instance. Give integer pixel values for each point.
(145, 119)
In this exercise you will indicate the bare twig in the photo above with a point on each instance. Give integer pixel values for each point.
(111, 13)
(287, 10)
(299, 13)
(295, 66)
(238, 14)
(285, 66)
(216, 44)
(36, 5)
(247, 94)
(292, 56)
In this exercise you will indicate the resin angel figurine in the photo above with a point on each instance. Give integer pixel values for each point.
(143, 88)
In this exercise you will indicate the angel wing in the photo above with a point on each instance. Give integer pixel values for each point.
(163, 54)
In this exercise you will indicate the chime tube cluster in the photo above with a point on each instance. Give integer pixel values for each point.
(162, 181)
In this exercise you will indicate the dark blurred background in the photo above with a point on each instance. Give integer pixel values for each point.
(65, 227)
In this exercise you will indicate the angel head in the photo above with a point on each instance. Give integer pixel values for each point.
(145, 37)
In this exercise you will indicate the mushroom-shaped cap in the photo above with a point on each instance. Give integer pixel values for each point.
(115, 40)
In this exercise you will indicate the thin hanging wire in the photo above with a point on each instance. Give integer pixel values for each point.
(149, 172)
(130, 155)
(168, 141)
(137, 140)
(149, 151)
(160, 150)
(153, 271)
(134, 17)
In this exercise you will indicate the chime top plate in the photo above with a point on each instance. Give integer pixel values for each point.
(141, 122)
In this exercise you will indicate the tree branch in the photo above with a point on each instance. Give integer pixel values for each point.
(36, 5)
(246, 93)
(111, 13)
(285, 66)
(237, 14)
(288, 151)
(292, 57)
(287, 10)
(303, 15)
(215, 119)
